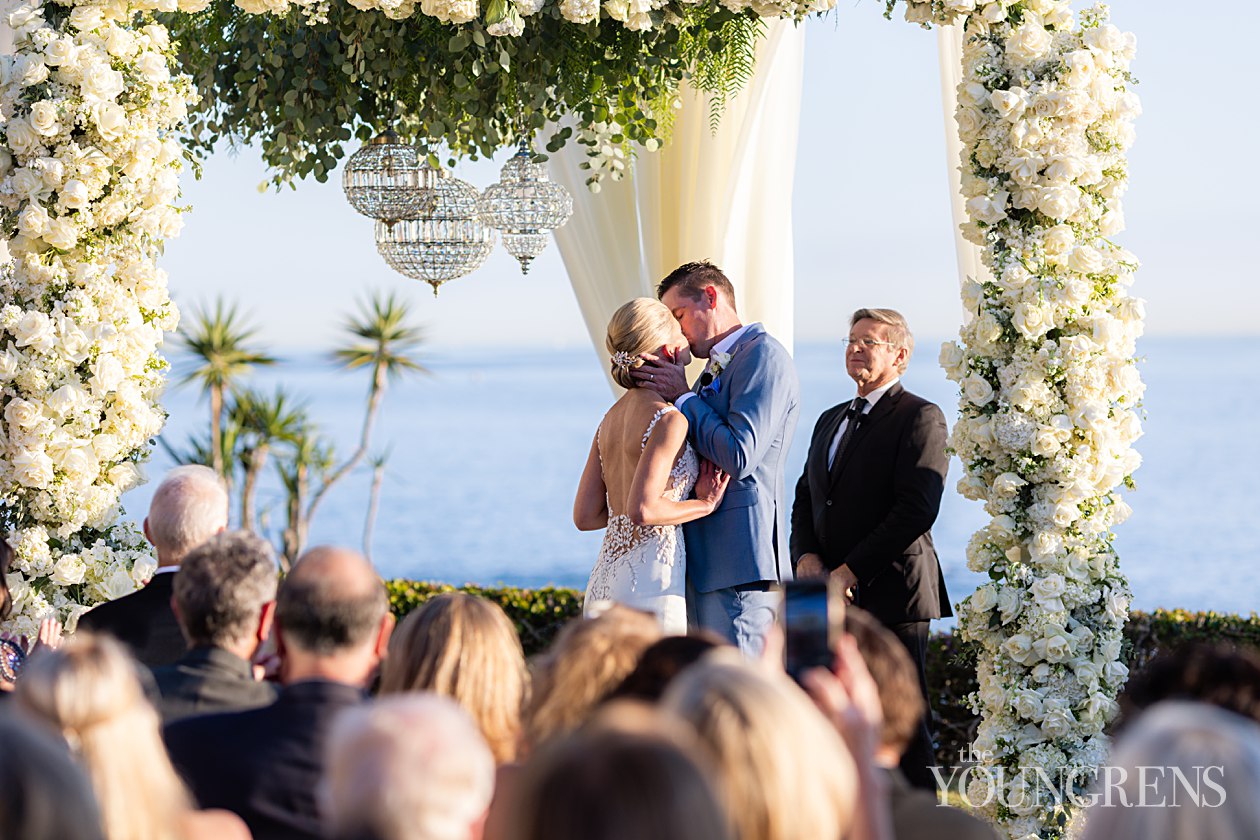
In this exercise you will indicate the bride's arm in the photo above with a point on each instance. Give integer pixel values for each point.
(647, 503)
(590, 508)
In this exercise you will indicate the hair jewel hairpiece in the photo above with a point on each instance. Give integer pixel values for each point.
(624, 360)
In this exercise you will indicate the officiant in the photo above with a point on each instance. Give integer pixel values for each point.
(868, 497)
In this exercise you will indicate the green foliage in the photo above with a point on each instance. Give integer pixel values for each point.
(304, 91)
(537, 613)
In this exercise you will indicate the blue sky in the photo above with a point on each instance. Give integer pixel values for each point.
(871, 204)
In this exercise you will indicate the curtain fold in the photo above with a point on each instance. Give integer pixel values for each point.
(724, 196)
(949, 44)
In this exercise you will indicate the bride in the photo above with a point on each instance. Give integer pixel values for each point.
(639, 475)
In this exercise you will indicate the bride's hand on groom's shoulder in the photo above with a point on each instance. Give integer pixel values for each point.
(711, 485)
(669, 379)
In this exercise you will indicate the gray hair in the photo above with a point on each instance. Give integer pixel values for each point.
(407, 767)
(223, 585)
(188, 507)
(898, 332)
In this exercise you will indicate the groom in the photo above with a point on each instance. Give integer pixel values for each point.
(742, 413)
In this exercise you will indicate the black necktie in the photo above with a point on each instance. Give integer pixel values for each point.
(853, 414)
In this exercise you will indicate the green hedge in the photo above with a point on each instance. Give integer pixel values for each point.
(539, 613)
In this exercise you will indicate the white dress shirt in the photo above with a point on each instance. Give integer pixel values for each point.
(871, 398)
(722, 346)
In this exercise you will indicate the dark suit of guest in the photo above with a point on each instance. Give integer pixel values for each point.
(143, 621)
(206, 680)
(873, 510)
(918, 815)
(264, 765)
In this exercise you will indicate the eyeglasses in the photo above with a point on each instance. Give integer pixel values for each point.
(867, 343)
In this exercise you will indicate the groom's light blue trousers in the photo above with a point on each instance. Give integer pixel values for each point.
(742, 615)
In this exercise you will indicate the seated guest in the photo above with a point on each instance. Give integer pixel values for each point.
(783, 771)
(614, 780)
(1216, 673)
(331, 630)
(43, 794)
(90, 693)
(661, 662)
(916, 813)
(589, 658)
(1180, 771)
(407, 767)
(188, 507)
(225, 597)
(463, 647)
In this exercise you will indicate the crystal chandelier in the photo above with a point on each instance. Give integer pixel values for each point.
(382, 180)
(446, 241)
(525, 206)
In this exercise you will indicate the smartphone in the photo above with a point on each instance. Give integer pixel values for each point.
(812, 618)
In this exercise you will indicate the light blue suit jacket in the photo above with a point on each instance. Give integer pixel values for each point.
(745, 426)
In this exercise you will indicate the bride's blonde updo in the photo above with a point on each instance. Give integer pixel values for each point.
(640, 326)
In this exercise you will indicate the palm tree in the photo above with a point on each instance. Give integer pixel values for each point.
(309, 457)
(374, 501)
(385, 343)
(216, 343)
(262, 422)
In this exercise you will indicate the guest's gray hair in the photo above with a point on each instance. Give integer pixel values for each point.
(898, 332)
(188, 507)
(223, 585)
(407, 767)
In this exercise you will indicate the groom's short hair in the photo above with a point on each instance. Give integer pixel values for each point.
(692, 278)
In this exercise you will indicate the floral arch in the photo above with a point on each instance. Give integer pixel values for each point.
(98, 92)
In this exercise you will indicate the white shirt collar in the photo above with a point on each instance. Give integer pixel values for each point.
(161, 570)
(725, 345)
(875, 396)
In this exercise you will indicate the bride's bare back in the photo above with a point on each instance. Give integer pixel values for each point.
(621, 442)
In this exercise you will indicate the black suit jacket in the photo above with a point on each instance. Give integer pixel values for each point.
(875, 513)
(918, 815)
(143, 621)
(265, 764)
(206, 680)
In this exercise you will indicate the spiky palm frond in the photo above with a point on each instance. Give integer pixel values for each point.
(216, 344)
(388, 340)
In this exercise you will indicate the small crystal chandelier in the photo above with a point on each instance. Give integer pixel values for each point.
(446, 241)
(382, 180)
(525, 206)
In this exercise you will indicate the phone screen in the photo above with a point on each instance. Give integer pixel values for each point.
(807, 623)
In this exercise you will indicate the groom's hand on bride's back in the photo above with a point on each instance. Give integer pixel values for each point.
(669, 379)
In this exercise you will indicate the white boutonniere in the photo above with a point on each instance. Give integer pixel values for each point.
(718, 363)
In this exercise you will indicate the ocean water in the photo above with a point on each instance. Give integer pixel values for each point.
(485, 454)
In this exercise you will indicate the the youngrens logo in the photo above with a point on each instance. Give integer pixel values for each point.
(1024, 790)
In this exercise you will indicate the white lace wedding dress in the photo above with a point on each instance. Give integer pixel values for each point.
(644, 566)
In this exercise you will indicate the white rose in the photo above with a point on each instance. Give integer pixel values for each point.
(100, 81)
(116, 585)
(29, 70)
(107, 374)
(1059, 202)
(23, 138)
(153, 68)
(1112, 222)
(120, 43)
(33, 221)
(1030, 320)
(1010, 603)
(69, 570)
(1086, 259)
(86, 18)
(1058, 723)
(34, 329)
(29, 184)
(62, 234)
(111, 120)
(44, 119)
(158, 36)
(1056, 646)
(1009, 104)
(977, 390)
(952, 359)
(1019, 648)
(33, 469)
(984, 599)
(1028, 705)
(125, 476)
(22, 413)
(1008, 484)
(1058, 240)
(988, 209)
(1028, 42)
(74, 195)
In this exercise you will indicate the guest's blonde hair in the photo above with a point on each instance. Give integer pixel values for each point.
(463, 647)
(771, 747)
(590, 657)
(640, 326)
(89, 691)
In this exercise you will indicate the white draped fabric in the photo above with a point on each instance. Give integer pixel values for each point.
(724, 196)
(949, 41)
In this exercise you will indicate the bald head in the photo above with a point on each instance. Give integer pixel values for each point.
(189, 507)
(332, 602)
